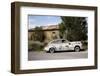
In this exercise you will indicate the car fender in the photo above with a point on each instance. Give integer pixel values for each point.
(76, 46)
(52, 47)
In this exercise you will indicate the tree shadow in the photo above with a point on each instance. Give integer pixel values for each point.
(62, 51)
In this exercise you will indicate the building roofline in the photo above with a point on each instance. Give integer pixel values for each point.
(42, 30)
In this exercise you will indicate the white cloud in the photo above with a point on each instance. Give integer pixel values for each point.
(32, 26)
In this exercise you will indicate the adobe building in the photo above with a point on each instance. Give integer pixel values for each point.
(51, 32)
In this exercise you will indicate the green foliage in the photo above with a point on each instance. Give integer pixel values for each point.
(62, 29)
(35, 46)
(76, 28)
(38, 34)
(85, 45)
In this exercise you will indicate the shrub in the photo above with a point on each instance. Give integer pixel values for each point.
(85, 44)
(35, 46)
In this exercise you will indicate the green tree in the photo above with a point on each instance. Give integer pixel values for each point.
(38, 34)
(62, 29)
(76, 28)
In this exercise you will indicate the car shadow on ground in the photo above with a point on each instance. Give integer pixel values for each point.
(68, 51)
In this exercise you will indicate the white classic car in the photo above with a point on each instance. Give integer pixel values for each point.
(63, 45)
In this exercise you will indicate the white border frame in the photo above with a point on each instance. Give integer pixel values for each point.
(25, 64)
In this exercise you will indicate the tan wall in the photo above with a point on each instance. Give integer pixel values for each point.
(48, 34)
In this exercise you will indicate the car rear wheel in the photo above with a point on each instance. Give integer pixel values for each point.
(51, 50)
(77, 49)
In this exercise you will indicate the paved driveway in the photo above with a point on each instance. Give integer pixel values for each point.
(42, 55)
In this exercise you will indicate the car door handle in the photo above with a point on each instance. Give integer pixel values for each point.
(66, 46)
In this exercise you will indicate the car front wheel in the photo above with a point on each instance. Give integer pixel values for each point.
(77, 49)
(51, 50)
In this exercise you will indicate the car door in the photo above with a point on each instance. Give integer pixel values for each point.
(65, 45)
(58, 45)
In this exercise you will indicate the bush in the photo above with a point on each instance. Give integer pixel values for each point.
(35, 46)
(85, 44)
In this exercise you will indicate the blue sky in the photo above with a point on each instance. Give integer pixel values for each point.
(43, 20)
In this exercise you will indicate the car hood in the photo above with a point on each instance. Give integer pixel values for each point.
(76, 42)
